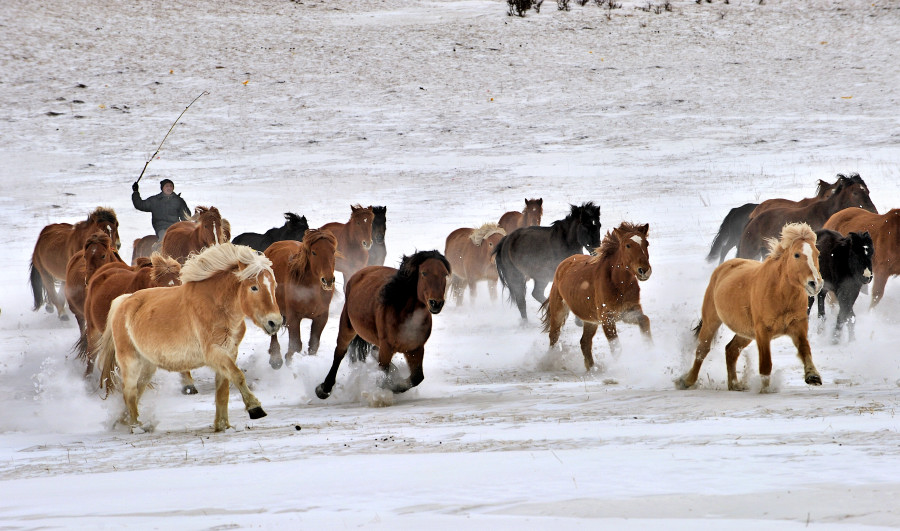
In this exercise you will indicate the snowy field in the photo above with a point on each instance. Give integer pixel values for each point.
(450, 113)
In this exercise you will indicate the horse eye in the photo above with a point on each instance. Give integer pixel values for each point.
(796, 255)
(628, 246)
(314, 253)
(254, 288)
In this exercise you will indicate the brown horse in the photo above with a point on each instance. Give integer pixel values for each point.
(849, 192)
(761, 301)
(55, 246)
(98, 251)
(824, 190)
(470, 253)
(391, 309)
(305, 275)
(601, 289)
(884, 230)
(116, 279)
(529, 216)
(354, 240)
(206, 228)
(201, 322)
(142, 247)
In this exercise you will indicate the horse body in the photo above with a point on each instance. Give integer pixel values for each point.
(354, 240)
(761, 301)
(601, 289)
(293, 229)
(55, 246)
(470, 253)
(883, 230)
(529, 216)
(304, 272)
(142, 248)
(200, 322)
(186, 237)
(98, 251)
(846, 266)
(378, 251)
(824, 189)
(534, 252)
(392, 309)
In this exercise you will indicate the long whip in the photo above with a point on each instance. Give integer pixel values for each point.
(167, 136)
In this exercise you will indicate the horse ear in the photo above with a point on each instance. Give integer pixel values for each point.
(644, 229)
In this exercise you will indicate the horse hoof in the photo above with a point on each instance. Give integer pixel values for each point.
(256, 412)
(288, 359)
(49, 308)
(64, 317)
(189, 390)
(680, 383)
(814, 379)
(275, 362)
(320, 392)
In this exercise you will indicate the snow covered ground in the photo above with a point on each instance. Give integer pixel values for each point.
(451, 113)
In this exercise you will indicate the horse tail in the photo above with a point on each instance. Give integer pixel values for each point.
(548, 314)
(105, 353)
(730, 230)
(505, 269)
(80, 348)
(696, 329)
(359, 349)
(37, 287)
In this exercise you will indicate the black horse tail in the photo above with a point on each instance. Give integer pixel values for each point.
(359, 349)
(730, 230)
(80, 348)
(696, 329)
(502, 261)
(37, 287)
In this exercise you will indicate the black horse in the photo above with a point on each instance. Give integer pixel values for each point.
(378, 251)
(293, 229)
(729, 235)
(534, 252)
(846, 265)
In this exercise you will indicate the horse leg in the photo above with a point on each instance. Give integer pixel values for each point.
(492, 289)
(636, 315)
(764, 346)
(516, 285)
(847, 299)
(473, 289)
(222, 362)
(820, 300)
(557, 312)
(810, 374)
(456, 289)
(295, 341)
(315, 332)
(705, 336)
(345, 335)
(187, 384)
(878, 284)
(55, 299)
(275, 353)
(608, 323)
(732, 353)
(540, 284)
(413, 359)
(131, 370)
(222, 390)
(587, 341)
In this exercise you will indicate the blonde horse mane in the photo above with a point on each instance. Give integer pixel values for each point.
(486, 231)
(790, 233)
(162, 265)
(610, 243)
(223, 257)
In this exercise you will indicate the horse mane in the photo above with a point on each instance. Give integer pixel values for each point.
(162, 265)
(396, 292)
(575, 212)
(485, 231)
(294, 219)
(790, 233)
(98, 237)
(824, 186)
(611, 241)
(359, 210)
(297, 263)
(224, 257)
(101, 215)
(379, 209)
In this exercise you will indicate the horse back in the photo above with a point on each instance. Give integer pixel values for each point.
(511, 221)
(532, 251)
(455, 249)
(362, 302)
(56, 243)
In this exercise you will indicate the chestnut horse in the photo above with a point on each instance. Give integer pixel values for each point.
(378, 251)
(849, 192)
(55, 246)
(470, 253)
(391, 309)
(884, 230)
(761, 301)
(201, 322)
(205, 229)
(601, 289)
(529, 216)
(354, 240)
(116, 279)
(305, 275)
(142, 248)
(824, 190)
(98, 251)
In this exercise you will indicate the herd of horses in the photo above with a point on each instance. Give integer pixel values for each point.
(185, 306)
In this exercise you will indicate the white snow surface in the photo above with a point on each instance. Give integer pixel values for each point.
(451, 113)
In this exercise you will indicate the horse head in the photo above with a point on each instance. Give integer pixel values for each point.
(360, 226)
(318, 249)
(586, 221)
(257, 290)
(166, 271)
(97, 252)
(632, 247)
(799, 255)
(422, 275)
(852, 192)
(295, 226)
(212, 225)
(861, 253)
(534, 210)
(379, 223)
(105, 220)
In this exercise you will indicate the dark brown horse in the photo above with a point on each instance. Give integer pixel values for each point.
(824, 190)
(601, 289)
(378, 251)
(470, 253)
(354, 240)
(391, 309)
(529, 216)
(55, 246)
(304, 272)
(850, 192)
(98, 251)
(205, 229)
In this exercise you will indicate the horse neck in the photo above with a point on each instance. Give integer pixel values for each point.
(564, 237)
(216, 290)
(773, 272)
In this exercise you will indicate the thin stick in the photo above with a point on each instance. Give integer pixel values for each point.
(167, 135)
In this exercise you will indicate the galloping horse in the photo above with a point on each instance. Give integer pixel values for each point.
(98, 251)
(305, 275)
(761, 301)
(601, 289)
(206, 228)
(529, 216)
(884, 230)
(200, 322)
(55, 246)
(293, 229)
(354, 240)
(536, 251)
(846, 266)
(116, 279)
(470, 253)
(849, 192)
(391, 309)
(378, 251)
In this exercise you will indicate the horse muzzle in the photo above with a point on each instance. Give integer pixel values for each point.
(813, 287)
(271, 323)
(643, 274)
(366, 244)
(327, 285)
(867, 276)
(435, 306)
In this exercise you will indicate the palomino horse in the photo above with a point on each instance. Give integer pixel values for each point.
(305, 275)
(55, 246)
(354, 240)
(529, 216)
(391, 309)
(534, 252)
(470, 253)
(601, 289)
(378, 251)
(116, 279)
(846, 266)
(761, 301)
(849, 192)
(98, 251)
(205, 228)
(884, 230)
(293, 229)
(200, 322)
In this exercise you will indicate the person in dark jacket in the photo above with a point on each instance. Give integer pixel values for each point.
(166, 207)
